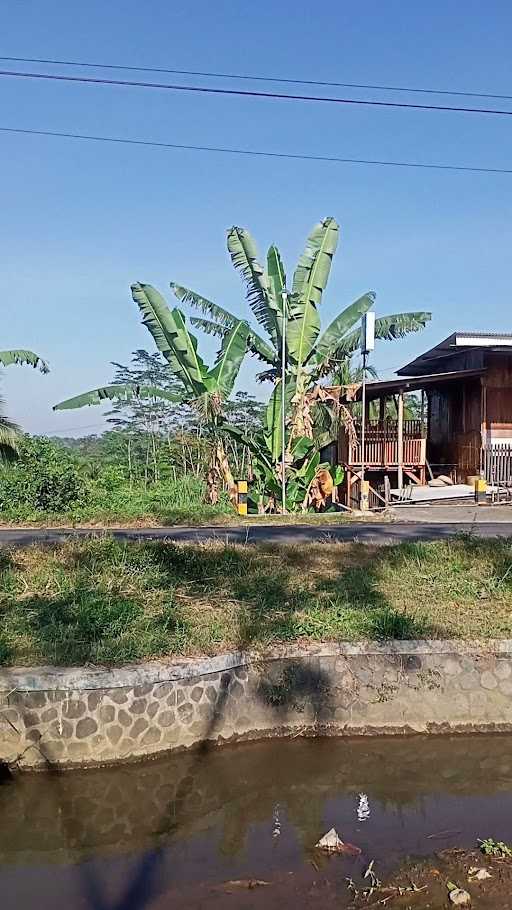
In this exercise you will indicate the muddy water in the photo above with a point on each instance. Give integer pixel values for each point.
(176, 832)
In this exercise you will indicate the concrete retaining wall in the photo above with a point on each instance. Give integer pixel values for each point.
(93, 716)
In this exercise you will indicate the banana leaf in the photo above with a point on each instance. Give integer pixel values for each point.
(244, 256)
(156, 315)
(256, 444)
(116, 392)
(185, 361)
(310, 467)
(332, 338)
(337, 473)
(398, 325)
(309, 282)
(22, 356)
(277, 283)
(220, 315)
(387, 328)
(273, 418)
(172, 337)
(209, 327)
(229, 360)
(301, 446)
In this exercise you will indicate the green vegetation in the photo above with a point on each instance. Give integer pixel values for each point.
(103, 601)
(92, 481)
(309, 356)
(490, 847)
(9, 431)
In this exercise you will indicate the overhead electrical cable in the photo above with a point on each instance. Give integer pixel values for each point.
(245, 93)
(333, 159)
(259, 78)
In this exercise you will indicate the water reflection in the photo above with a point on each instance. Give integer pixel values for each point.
(126, 838)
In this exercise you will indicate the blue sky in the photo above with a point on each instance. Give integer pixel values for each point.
(81, 221)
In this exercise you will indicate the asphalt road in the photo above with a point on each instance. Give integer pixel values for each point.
(367, 532)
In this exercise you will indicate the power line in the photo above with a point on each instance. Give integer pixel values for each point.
(255, 153)
(252, 78)
(245, 93)
(87, 426)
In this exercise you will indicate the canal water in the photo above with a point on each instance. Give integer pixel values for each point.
(200, 830)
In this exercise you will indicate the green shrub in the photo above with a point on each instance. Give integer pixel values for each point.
(43, 478)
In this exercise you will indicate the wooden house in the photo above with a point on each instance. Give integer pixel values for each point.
(464, 425)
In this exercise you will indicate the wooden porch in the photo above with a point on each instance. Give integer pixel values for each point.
(382, 448)
(390, 446)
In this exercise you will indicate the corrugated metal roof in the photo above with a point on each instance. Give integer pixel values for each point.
(455, 343)
(485, 334)
(416, 383)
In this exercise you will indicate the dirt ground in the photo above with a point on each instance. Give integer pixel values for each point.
(427, 885)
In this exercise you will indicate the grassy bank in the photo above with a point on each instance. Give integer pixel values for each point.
(168, 503)
(100, 601)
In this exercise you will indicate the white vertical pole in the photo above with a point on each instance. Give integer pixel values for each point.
(400, 439)
(363, 402)
(283, 401)
(367, 345)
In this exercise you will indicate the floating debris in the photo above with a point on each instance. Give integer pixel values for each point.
(241, 883)
(363, 809)
(459, 897)
(375, 882)
(276, 822)
(332, 843)
(478, 875)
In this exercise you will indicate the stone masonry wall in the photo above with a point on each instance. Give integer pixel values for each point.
(72, 717)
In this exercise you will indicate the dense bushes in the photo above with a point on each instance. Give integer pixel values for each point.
(50, 482)
(43, 478)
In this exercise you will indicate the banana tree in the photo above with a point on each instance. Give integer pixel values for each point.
(303, 465)
(9, 431)
(204, 388)
(310, 353)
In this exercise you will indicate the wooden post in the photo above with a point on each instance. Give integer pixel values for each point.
(400, 409)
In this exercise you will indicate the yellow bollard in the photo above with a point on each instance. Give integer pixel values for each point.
(241, 487)
(480, 489)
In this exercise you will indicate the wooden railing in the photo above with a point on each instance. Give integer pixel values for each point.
(381, 444)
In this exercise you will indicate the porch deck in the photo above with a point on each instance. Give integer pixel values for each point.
(385, 448)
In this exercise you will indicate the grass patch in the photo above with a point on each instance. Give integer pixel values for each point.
(105, 602)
